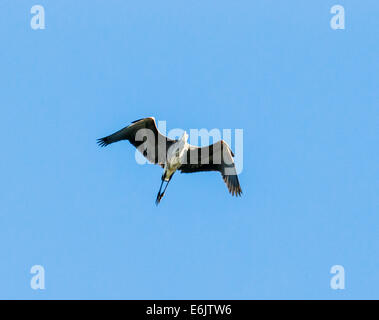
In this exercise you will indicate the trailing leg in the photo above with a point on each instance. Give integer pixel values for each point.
(160, 195)
(160, 189)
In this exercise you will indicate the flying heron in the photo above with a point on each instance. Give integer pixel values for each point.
(173, 155)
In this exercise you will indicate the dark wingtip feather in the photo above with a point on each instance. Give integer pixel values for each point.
(102, 142)
(233, 185)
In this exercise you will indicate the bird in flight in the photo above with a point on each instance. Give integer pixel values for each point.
(173, 155)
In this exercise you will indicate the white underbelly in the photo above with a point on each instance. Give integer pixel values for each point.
(171, 167)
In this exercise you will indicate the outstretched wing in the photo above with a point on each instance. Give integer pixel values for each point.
(144, 135)
(215, 157)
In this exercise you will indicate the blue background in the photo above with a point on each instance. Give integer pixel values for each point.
(305, 95)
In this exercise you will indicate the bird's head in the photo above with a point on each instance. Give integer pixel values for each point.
(185, 136)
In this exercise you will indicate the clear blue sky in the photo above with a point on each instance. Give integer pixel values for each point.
(305, 95)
